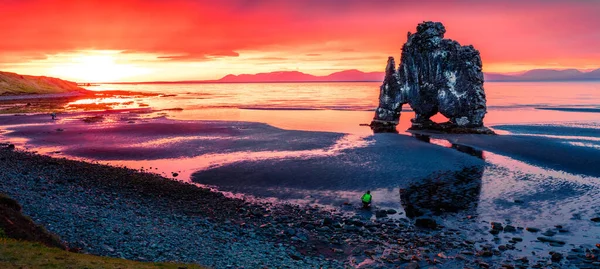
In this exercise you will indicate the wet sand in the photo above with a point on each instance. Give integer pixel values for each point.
(551, 153)
(516, 179)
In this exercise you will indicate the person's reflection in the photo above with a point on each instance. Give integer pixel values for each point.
(441, 193)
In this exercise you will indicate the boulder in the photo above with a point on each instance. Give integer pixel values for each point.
(381, 214)
(426, 223)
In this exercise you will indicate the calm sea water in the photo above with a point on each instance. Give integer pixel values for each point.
(340, 107)
(356, 96)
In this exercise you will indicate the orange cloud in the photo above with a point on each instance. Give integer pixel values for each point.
(323, 34)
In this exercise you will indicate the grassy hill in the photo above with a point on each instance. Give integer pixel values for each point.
(15, 84)
(23, 254)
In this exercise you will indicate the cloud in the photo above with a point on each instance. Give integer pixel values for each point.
(201, 30)
(198, 57)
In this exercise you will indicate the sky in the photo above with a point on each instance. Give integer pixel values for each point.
(160, 40)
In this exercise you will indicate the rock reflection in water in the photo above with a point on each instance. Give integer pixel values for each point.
(420, 137)
(443, 192)
(447, 191)
(469, 150)
(445, 143)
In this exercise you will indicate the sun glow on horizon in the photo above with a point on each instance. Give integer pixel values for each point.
(95, 66)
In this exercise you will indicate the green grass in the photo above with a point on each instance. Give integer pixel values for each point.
(21, 254)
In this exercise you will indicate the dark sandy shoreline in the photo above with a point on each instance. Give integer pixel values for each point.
(66, 196)
(125, 213)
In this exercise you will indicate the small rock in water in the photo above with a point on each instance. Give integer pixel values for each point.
(596, 219)
(497, 226)
(358, 223)
(556, 257)
(175, 174)
(412, 265)
(381, 214)
(486, 253)
(549, 233)
(507, 266)
(350, 228)
(295, 257)
(391, 211)
(550, 240)
(532, 229)
(426, 223)
(510, 229)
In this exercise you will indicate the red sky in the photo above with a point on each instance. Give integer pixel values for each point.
(186, 39)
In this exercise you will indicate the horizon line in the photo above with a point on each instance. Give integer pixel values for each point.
(199, 81)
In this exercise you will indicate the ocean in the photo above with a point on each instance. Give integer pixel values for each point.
(341, 107)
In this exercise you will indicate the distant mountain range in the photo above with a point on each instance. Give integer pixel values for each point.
(357, 75)
(546, 75)
(354, 75)
(295, 76)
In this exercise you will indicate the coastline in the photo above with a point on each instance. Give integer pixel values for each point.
(120, 212)
(42, 96)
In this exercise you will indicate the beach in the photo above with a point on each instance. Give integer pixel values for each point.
(256, 186)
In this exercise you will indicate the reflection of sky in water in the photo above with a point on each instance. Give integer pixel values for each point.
(186, 166)
(352, 96)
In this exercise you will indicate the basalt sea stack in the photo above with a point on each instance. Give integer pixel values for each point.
(435, 75)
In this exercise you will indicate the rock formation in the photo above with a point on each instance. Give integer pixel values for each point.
(390, 101)
(435, 75)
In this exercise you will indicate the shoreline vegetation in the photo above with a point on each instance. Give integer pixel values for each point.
(15, 84)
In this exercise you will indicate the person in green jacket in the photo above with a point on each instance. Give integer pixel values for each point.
(366, 199)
